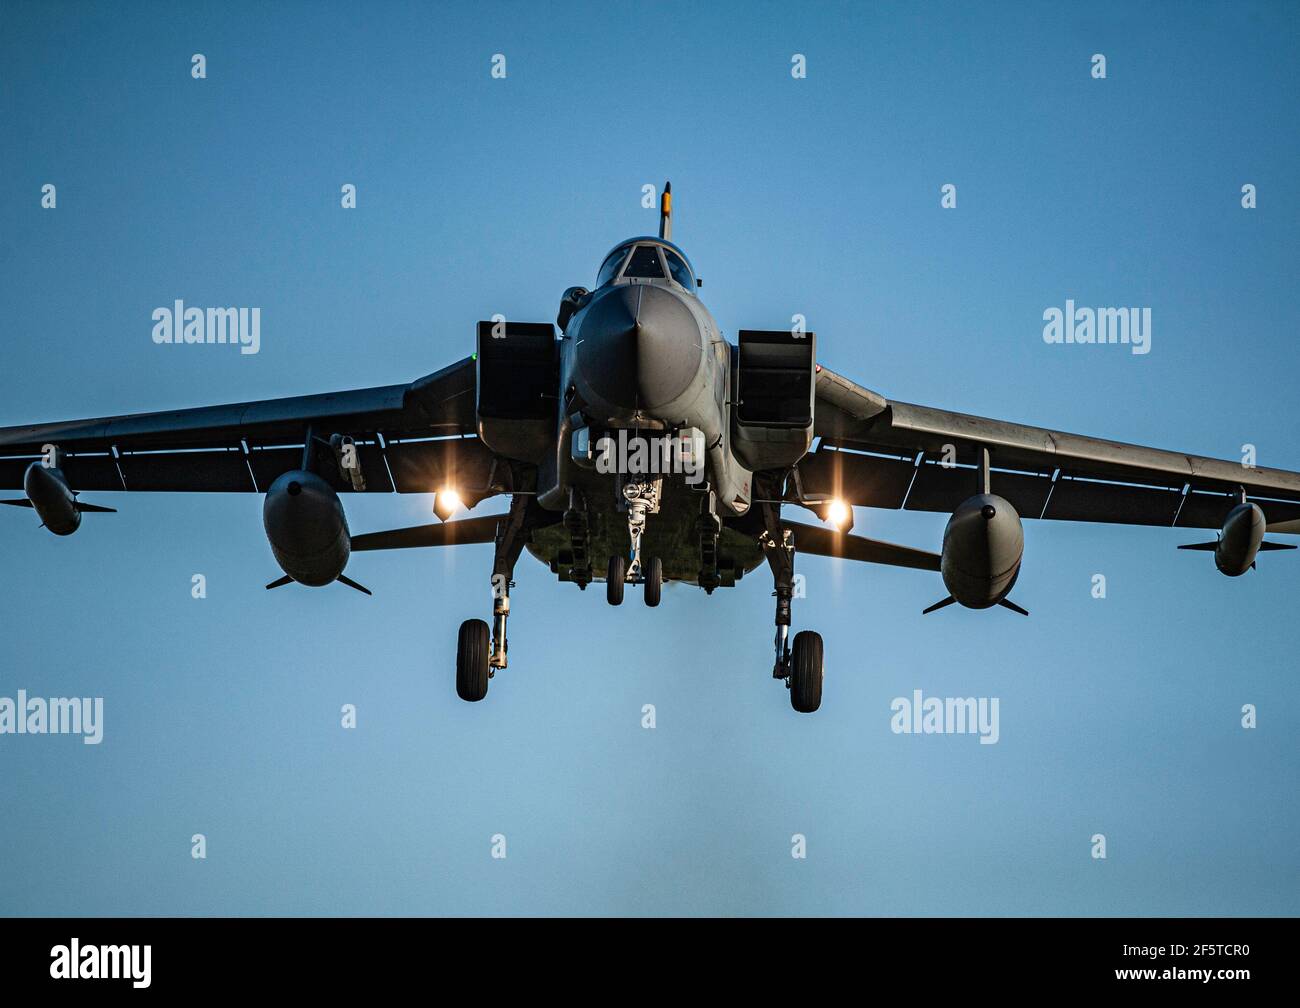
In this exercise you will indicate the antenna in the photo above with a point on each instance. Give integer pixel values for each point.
(666, 213)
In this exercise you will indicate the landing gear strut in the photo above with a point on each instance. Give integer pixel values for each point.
(500, 611)
(781, 669)
(642, 500)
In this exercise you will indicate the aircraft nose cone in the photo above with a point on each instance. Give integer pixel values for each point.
(607, 347)
(638, 348)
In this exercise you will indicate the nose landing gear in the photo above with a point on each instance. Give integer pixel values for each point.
(642, 499)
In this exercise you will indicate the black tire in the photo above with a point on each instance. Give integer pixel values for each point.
(654, 580)
(472, 660)
(614, 581)
(806, 672)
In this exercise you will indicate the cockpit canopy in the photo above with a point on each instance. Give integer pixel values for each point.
(647, 259)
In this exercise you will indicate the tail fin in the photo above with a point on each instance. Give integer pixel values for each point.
(666, 213)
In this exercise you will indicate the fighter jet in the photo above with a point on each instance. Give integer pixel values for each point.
(638, 446)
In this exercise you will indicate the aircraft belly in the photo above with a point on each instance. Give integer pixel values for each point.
(672, 534)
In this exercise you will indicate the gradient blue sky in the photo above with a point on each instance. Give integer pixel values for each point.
(818, 196)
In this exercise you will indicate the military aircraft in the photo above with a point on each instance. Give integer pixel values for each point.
(741, 429)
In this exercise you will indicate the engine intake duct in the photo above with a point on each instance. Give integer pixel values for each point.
(518, 385)
(772, 420)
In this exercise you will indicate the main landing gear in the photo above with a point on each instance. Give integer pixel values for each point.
(801, 666)
(481, 651)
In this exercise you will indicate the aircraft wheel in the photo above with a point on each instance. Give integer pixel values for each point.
(654, 580)
(614, 581)
(472, 660)
(806, 672)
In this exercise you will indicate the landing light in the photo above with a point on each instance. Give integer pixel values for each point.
(446, 502)
(839, 514)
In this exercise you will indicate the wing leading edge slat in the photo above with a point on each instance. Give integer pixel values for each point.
(1043, 473)
(410, 438)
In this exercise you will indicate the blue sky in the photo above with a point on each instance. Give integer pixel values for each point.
(818, 196)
